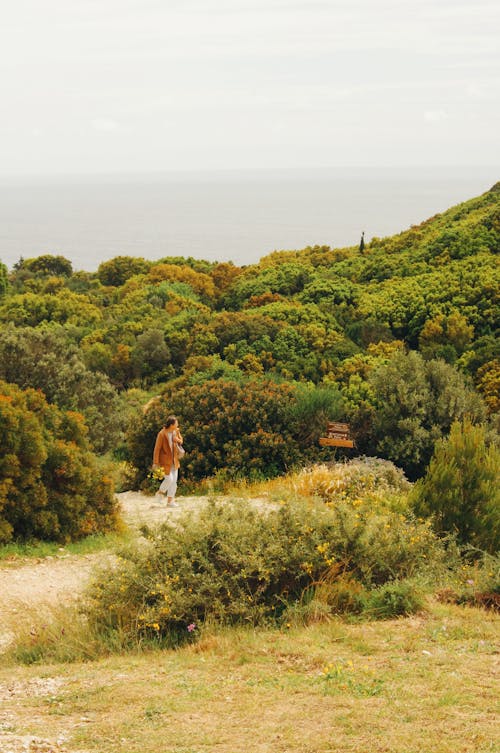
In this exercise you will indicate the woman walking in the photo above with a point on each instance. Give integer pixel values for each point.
(166, 457)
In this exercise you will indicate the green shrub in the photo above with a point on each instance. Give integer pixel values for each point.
(252, 429)
(461, 490)
(417, 402)
(234, 564)
(393, 599)
(45, 359)
(51, 486)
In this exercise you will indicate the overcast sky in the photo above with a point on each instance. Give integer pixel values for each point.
(138, 85)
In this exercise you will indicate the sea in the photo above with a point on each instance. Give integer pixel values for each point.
(221, 215)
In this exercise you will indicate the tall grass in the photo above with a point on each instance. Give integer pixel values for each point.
(372, 480)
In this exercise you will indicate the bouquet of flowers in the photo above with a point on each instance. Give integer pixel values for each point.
(156, 474)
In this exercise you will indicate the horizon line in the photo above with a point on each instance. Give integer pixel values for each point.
(202, 171)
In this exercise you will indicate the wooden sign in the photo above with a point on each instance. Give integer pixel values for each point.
(337, 435)
(330, 442)
(333, 428)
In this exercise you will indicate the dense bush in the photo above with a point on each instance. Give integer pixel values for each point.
(234, 563)
(252, 428)
(50, 484)
(394, 599)
(461, 490)
(43, 359)
(58, 305)
(416, 402)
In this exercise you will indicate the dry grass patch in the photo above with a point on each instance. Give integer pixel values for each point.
(418, 684)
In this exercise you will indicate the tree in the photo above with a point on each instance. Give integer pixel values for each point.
(232, 327)
(4, 280)
(46, 360)
(362, 242)
(461, 489)
(488, 384)
(335, 291)
(47, 265)
(369, 330)
(201, 283)
(151, 357)
(445, 334)
(223, 275)
(286, 278)
(118, 270)
(416, 403)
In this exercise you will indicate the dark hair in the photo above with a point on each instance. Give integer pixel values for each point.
(169, 421)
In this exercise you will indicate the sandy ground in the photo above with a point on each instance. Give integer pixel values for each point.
(25, 584)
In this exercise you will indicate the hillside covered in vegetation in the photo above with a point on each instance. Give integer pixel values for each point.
(399, 338)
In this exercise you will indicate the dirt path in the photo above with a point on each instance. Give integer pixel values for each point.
(32, 585)
(29, 584)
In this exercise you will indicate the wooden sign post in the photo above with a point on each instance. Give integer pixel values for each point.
(337, 435)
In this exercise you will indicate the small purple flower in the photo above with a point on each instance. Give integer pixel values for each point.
(470, 582)
(191, 627)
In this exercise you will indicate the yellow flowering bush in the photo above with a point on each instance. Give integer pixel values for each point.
(359, 480)
(51, 486)
(234, 563)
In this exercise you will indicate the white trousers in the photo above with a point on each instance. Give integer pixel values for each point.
(169, 484)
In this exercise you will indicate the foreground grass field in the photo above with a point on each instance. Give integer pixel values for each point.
(423, 684)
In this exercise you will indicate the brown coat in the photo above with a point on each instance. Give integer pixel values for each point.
(162, 454)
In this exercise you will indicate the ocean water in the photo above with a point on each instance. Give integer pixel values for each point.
(234, 215)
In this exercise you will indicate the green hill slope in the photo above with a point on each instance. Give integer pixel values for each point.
(319, 319)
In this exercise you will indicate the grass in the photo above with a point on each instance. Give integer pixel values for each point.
(40, 549)
(422, 684)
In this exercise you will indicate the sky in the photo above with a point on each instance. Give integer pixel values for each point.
(125, 86)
